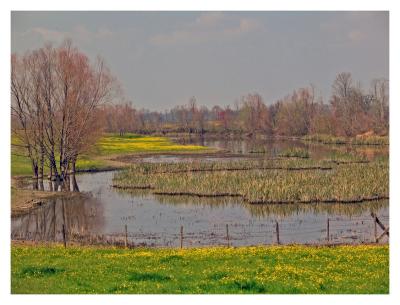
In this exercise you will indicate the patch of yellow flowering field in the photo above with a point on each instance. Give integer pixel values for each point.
(261, 269)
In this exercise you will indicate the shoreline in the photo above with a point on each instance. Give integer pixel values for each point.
(52, 244)
(23, 200)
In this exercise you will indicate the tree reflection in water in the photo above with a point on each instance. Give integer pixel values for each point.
(80, 215)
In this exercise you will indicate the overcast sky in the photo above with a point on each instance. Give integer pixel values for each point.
(163, 58)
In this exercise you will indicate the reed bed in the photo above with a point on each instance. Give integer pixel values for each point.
(238, 165)
(366, 140)
(345, 157)
(295, 152)
(344, 183)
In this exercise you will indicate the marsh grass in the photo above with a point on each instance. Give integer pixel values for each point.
(328, 139)
(269, 270)
(199, 165)
(295, 152)
(340, 156)
(344, 183)
(371, 140)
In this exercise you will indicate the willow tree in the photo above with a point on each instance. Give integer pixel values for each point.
(56, 97)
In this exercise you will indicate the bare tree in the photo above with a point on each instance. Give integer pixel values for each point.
(56, 94)
(380, 104)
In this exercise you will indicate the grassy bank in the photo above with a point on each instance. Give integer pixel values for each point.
(21, 166)
(273, 269)
(109, 146)
(24, 200)
(344, 183)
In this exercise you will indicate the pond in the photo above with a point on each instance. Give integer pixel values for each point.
(273, 147)
(154, 220)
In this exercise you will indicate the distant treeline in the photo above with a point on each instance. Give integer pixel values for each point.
(351, 110)
(61, 102)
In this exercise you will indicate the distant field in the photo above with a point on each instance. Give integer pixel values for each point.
(131, 143)
(272, 269)
(110, 144)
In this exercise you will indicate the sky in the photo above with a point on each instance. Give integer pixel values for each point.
(161, 59)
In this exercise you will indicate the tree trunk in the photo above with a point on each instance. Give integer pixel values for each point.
(41, 165)
(75, 187)
(34, 169)
(51, 172)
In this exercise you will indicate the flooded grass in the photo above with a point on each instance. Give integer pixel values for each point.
(236, 165)
(295, 152)
(328, 139)
(344, 183)
(344, 157)
(267, 270)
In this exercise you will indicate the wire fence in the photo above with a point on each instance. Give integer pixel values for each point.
(332, 230)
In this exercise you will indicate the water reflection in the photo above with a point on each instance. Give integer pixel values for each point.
(80, 215)
(349, 210)
(154, 220)
(274, 210)
(273, 147)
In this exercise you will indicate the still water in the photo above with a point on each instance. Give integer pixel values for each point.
(155, 220)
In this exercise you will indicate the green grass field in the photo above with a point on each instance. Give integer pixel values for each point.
(109, 145)
(268, 270)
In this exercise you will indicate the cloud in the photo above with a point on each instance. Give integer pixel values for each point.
(210, 26)
(209, 19)
(354, 27)
(356, 36)
(78, 34)
(45, 34)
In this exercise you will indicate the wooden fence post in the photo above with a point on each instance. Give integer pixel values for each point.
(181, 237)
(64, 236)
(227, 234)
(126, 236)
(277, 233)
(327, 230)
(385, 230)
